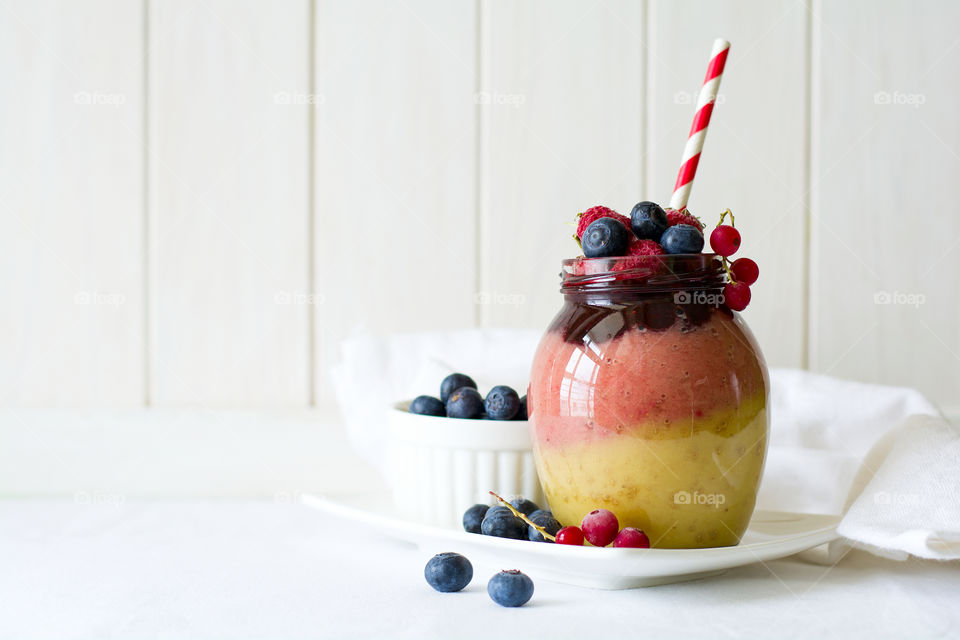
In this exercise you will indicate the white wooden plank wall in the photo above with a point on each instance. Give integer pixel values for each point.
(885, 229)
(180, 182)
(71, 203)
(396, 153)
(229, 156)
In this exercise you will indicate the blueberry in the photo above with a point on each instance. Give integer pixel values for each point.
(465, 403)
(546, 520)
(427, 406)
(682, 238)
(453, 382)
(503, 524)
(605, 237)
(502, 403)
(495, 510)
(648, 220)
(447, 572)
(510, 588)
(540, 512)
(524, 506)
(522, 414)
(473, 516)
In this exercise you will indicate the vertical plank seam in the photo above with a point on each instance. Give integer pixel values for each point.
(147, 238)
(478, 169)
(312, 315)
(811, 149)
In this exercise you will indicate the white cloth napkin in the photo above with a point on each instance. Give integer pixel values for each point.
(881, 456)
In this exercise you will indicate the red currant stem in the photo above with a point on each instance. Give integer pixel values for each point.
(726, 267)
(542, 531)
(723, 215)
(577, 240)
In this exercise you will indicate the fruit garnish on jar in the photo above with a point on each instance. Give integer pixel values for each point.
(652, 231)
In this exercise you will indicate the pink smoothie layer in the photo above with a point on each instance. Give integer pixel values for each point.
(643, 379)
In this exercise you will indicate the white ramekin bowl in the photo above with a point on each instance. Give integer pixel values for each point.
(438, 467)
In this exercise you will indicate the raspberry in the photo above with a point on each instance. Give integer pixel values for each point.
(736, 296)
(630, 537)
(644, 248)
(570, 535)
(600, 527)
(639, 255)
(595, 213)
(725, 240)
(745, 270)
(683, 217)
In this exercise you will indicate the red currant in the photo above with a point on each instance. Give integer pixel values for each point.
(736, 295)
(600, 527)
(745, 270)
(630, 537)
(570, 535)
(725, 240)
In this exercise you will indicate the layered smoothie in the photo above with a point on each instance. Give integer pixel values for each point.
(651, 401)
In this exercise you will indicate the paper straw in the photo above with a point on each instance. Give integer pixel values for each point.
(701, 119)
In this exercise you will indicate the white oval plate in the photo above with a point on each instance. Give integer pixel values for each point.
(771, 535)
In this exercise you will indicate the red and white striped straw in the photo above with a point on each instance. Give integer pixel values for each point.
(691, 153)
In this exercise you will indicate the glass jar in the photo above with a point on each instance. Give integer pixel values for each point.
(649, 397)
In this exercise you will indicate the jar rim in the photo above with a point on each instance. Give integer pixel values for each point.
(643, 275)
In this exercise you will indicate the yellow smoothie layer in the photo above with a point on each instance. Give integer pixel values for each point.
(685, 486)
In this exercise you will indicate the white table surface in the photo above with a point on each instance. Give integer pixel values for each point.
(108, 568)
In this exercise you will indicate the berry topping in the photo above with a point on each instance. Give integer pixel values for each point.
(502, 403)
(448, 572)
(639, 256)
(543, 519)
(453, 382)
(683, 216)
(427, 406)
(593, 214)
(682, 238)
(510, 588)
(524, 506)
(600, 527)
(736, 295)
(630, 537)
(570, 535)
(648, 221)
(745, 271)
(725, 240)
(465, 402)
(473, 517)
(605, 237)
(633, 262)
(501, 523)
(645, 248)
